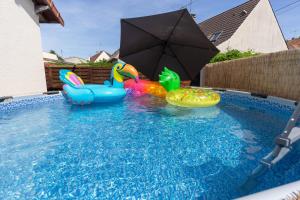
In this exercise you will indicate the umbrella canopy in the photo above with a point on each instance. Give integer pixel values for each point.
(171, 39)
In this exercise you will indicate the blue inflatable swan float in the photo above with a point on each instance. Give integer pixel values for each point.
(76, 92)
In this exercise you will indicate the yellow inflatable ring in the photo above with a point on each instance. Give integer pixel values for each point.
(193, 97)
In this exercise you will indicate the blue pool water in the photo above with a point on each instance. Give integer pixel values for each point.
(139, 149)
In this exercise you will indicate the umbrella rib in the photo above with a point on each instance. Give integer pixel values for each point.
(141, 50)
(175, 26)
(142, 30)
(180, 63)
(154, 72)
(192, 46)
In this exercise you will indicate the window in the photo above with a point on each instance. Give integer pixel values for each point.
(215, 36)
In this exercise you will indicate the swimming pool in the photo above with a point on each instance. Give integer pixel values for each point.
(139, 149)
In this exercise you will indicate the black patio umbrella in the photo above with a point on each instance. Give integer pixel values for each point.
(170, 39)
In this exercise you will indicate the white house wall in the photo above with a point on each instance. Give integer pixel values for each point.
(102, 56)
(259, 32)
(21, 59)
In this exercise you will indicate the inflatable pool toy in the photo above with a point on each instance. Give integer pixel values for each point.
(186, 97)
(193, 97)
(113, 90)
(142, 87)
(76, 92)
(169, 88)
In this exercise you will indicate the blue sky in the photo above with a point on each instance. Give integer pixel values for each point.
(92, 25)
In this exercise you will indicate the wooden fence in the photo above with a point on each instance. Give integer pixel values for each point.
(95, 75)
(276, 74)
(88, 74)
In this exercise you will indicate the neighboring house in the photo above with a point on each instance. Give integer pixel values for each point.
(115, 56)
(294, 43)
(250, 26)
(22, 68)
(49, 57)
(75, 60)
(102, 55)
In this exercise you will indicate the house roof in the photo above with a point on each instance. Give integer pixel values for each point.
(50, 56)
(75, 60)
(94, 57)
(50, 15)
(228, 22)
(294, 43)
(116, 54)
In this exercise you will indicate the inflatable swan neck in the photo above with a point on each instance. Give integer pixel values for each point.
(169, 79)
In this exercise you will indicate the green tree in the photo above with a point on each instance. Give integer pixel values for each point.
(58, 56)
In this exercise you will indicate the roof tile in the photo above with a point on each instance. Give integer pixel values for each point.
(94, 57)
(227, 22)
(294, 43)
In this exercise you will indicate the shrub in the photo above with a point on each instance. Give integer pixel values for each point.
(102, 63)
(232, 55)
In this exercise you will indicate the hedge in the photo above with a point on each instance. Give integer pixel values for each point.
(232, 55)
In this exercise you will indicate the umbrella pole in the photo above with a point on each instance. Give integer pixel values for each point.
(196, 81)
